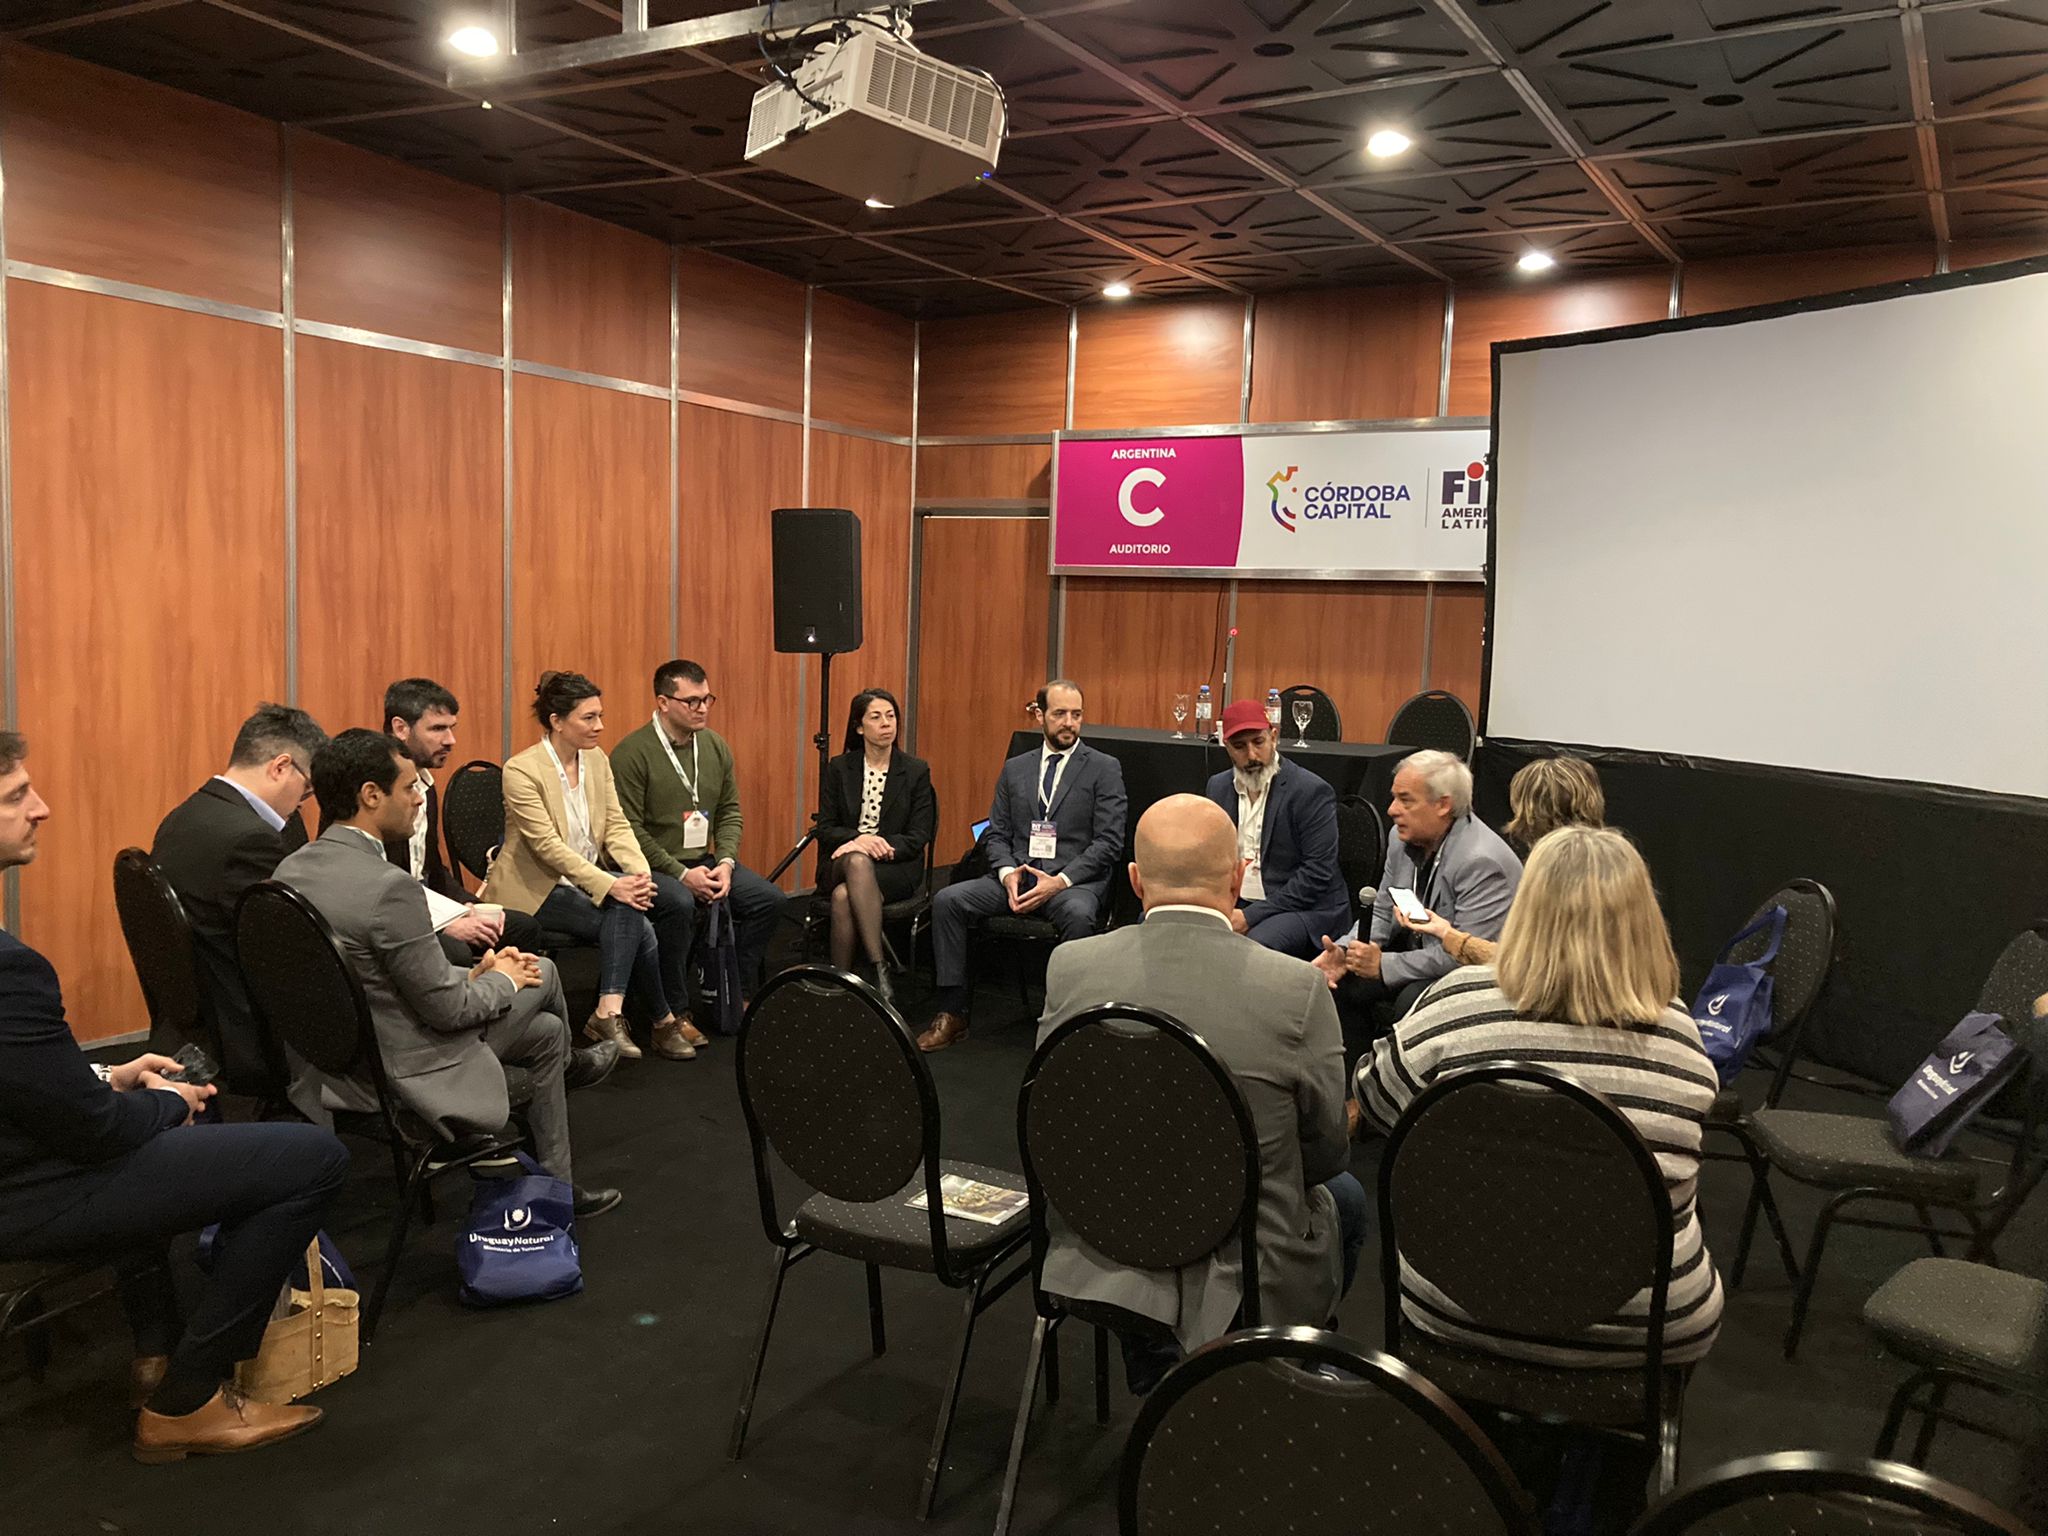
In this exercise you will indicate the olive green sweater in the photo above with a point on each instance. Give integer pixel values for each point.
(656, 802)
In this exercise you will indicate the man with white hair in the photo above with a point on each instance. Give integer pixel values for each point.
(1457, 866)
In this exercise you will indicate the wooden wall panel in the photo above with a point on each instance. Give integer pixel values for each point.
(861, 365)
(1158, 365)
(1457, 639)
(740, 332)
(735, 469)
(874, 480)
(1707, 287)
(1132, 643)
(399, 550)
(149, 547)
(590, 545)
(984, 472)
(993, 373)
(1483, 316)
(389, 248)
(1360, 642)
(1356, 354)
(973, 676)
(588, 295)
(1964, 254)
(110, 175)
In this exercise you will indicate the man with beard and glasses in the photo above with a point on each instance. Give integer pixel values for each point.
(1056, 831)
(1286, 820)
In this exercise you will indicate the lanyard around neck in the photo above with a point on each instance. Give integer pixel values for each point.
(575, 799)
(689, 779)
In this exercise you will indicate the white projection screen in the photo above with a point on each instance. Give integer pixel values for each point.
(1814, 540)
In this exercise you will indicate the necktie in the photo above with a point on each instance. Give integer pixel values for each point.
(1052, 768)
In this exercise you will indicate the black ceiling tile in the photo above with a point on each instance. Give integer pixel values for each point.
(792, 196)
(1544, 31)
(1238, 53)
(2009, 213)
(1789, 170)
(972, 247)
(1994, 58)
(1456, 124)
(22, 15)
(979, 202)
(1329, 266)
(1804, 81)
(686, 212)
(1047, 88)
(1982, 151)
(1186, 232)
(1600, 249)
(244, 63)
(1829, 226)
(945, 299)
(1083, 285)
(500, 149)
(1478, 203)
(830, 259)
(694, 124)
(1112, 167)
(1036, 245)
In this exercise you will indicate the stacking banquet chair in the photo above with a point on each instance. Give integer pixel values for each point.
(305, 990)
(1346, 1439)
(160, 947)
(1806, 1493)
(25, 1309)
(1138, 1141)
(1434, 719)
(914, 911)
(1531, 1202)
(1325, 724)
(1853, 1155)
(1361, 848)
(473, 815)
(831, 1080)
(1806, 959)
(1960, 1325)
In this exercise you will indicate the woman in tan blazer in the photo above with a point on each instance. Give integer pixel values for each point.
(571, 859)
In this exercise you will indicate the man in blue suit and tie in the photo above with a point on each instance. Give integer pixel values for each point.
(1056, 832)
(1286, 820)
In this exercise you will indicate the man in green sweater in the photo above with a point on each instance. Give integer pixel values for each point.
(677, 785)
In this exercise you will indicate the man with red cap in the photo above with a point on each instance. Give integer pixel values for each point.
(1286, 819)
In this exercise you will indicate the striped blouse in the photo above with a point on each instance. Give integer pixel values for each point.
(1659, 1077)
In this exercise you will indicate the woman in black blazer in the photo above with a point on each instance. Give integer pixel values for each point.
(877, 817)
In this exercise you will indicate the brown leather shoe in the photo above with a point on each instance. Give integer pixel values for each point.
(672, 1042)
(145, 1375)
(945, 1029)
(229, 1422)
(612, 1027)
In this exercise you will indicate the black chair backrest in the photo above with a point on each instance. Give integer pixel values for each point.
(1805, 958)
(1139, 1138)
(1436, 720)
(1361, 846)
(1821, 1495)
(473, 815)
(2018, 977)
(300, 983)
(1251, 1422)
(160, 946)
(1323, 725)
(1528, 1200)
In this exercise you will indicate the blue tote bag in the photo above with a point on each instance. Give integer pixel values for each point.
(1733, 1009)
(519, 1243)
(1970, 1065)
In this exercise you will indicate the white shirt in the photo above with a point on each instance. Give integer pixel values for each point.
(416, 849)
(270, 817)
(576, 809)
(1251, 829)
(1177, 906)
(1043, 800)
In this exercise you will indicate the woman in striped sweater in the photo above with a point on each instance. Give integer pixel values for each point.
(1584, 982)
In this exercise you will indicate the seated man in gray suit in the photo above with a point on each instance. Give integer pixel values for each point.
(1286, 820)
(446, 1034)
(1056, 831)
(1457, 866)
(1270, 1021)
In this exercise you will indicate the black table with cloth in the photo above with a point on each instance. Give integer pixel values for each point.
(1157, 764)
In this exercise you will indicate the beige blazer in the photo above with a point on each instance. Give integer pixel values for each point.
(536, 854)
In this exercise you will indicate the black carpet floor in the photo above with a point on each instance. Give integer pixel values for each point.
(609, 1412)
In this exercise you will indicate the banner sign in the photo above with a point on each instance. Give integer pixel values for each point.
(1384, 503)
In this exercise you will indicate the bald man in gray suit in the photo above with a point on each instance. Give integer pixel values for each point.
(1270, 1020)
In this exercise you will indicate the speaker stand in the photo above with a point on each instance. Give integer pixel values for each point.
(823, 742)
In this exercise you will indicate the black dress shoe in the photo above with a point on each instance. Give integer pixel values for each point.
(590, 1065)
(595, 1202)
(884, 983)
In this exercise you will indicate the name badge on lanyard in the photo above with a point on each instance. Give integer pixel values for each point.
(696, 825)
(1045, 839)
(696, 832)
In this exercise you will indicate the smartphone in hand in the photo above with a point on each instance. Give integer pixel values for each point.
(195, 1068)
(1405, 902)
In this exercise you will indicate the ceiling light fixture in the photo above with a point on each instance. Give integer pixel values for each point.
(1117, 291)
(485, 105)
(876, 202)
(477, 42)
(1387, 143)
(1536, 261)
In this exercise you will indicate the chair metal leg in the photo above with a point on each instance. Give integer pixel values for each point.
(878, 1335)
(1930, 1420)
(1052, 1364)
(1669, 1432)
(1101, 1374)
(401, 1223)
(1933, 1236)
(944, 1430)
(746, 1409)
(1895, 1415)
(1007, 1504)
(35, 1335)
(1810, 1271)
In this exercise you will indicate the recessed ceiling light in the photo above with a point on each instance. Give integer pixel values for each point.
(477, 42)
(876, 202)
(485, 105)
(1387, 143)
(1117, 291)
(1536, 261)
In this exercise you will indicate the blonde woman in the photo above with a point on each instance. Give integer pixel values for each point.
(1546, 794)
(1584, 983)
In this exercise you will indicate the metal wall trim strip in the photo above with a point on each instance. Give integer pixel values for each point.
(847, 429)
(910, 635)
(355, 336)
(740, 407)
(1443, 367)
(505, 368)
(288, 296)
(107, 287)
(10, 679)
(803, 670)
(594, 380)
(988, 440)
(1244, 379)
(968, 504)
(1290, 428)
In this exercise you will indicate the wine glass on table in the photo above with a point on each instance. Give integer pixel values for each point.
(1180, 715)
(1304, 711)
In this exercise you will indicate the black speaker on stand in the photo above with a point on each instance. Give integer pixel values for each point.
(817, 610)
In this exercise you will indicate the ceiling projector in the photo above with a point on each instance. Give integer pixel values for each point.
(873, 117)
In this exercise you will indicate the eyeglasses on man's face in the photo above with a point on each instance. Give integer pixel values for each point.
(692, 700)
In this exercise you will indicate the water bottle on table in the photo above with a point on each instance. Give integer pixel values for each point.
(1205, 709)
(1273, 708)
